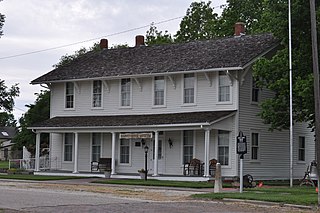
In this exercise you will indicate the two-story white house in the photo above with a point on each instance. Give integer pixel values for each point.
(183, 101)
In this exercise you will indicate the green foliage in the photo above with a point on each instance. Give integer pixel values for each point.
(37, 112)
(153, 36)
(1, 22)
(200, 22)
(7, 96)
(7, 119)
(118, 46)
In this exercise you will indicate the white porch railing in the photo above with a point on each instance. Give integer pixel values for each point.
(29, 164)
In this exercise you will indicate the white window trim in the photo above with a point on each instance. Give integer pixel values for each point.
(305, 156)
(65, 97)
(91, 141)
(259, 145)
(182, 145)
(130, 154)
(259, 94)
(63, 149)
(195, 91)
(120, 100)
(102, 95)
(164, 95)
(217, 148)
(218, 91)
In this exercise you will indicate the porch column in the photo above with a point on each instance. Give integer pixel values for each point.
(37, 155)
(76, 150)
(206, 152)
(156, 150)
(113, 154)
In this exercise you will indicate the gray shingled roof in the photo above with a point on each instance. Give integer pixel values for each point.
(197, 55)
(133, 120)
(7, 132)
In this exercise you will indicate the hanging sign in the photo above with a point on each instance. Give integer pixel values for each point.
(135, 135)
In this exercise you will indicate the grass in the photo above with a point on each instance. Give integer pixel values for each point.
(37, 177)
(4, 164)
(296, 195)
(152, 182)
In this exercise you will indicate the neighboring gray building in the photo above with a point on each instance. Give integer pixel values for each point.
(183, 101)
(6, 136)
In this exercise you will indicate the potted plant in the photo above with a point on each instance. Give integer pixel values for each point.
(107, 173)
(142, 173)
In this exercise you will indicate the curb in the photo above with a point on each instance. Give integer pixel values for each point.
(267, 203)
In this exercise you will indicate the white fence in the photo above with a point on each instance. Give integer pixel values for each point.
(29, 164)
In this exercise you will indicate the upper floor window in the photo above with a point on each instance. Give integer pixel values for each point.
(68, 146)
(302, 149)
(224, 87)
(126, 92)
(188, 88)
(187, 146)
(97, 94)
(254, 146)
(254, 91)
(223, 147)
(69, 95)
(159, 90)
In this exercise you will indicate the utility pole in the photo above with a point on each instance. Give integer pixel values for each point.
(316, 85)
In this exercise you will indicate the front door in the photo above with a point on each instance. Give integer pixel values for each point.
(161, 166)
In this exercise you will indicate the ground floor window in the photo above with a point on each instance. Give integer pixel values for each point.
(96, 146)
(254, 146)
(302, 147)
(68, 146)
(187, 146)
(124, 151)
(223, 147)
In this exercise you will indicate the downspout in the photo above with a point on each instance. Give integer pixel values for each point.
(236, 124)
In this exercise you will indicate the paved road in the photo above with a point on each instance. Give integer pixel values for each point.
(75, 198)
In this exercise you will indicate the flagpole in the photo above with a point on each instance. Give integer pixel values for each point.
(290, 82)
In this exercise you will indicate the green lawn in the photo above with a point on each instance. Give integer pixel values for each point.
(296, 195)
(4, 164)
(37, 177)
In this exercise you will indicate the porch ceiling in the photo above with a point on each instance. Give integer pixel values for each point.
(150, 120)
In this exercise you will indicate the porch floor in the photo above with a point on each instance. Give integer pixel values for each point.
(124, 176)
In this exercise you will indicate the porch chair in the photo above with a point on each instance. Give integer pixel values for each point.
(212, 166)
(194, 167)
(102, 165)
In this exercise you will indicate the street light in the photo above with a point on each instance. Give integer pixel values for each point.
(146, 148)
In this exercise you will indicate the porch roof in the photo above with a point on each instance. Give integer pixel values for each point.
(196, 118)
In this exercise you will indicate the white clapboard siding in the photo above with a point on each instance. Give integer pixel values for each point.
(206, 98)
(56, 151)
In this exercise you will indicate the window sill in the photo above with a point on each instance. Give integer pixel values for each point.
(224, 103)
(96, 108)
(69, 109)
(125, 107)
(158, 106)
(189, 105)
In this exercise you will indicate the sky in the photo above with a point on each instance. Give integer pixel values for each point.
(38, 32)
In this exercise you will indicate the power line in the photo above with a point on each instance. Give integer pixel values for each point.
(92, 39)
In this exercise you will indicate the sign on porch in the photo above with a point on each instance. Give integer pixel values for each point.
(135, 135)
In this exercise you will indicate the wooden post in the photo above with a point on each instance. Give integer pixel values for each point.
(218, 179)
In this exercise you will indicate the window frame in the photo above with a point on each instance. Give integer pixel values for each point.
(91, 146)
(93, 94)
(223, 146)
(257, 146)
(254, 90)
(183, 145)
(66, 96)
(302, 149)
(120, 93)
(194, 89)
(64, 147)
(220, 73)
(154, 91)
(129, 155)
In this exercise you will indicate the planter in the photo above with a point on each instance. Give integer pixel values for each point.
(107, 174)
(142, 175)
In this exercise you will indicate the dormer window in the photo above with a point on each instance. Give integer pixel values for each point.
(126, 92)
(224, 87)
(188, 88)
(69, 99)
(97, 94)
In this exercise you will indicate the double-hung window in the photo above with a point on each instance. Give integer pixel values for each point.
(159, 91)
(188, 88)
(126, 92)
(68, 146)
(224, 87)
(97, 94)
(302, 149)
(124, 151)
(69, 99)
(223, 147)
(254, 91)
(187, 146)
(96, 146)
(254, 146)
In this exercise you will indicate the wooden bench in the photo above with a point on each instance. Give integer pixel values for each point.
(101, 165)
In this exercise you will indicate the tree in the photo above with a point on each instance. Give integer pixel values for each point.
(37, 112)
(153, 36)
(1, 22)
(200, 22)
(7, 96)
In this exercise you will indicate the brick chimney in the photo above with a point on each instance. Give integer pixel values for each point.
(139, 40)
(239, 29)
(104, 43)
